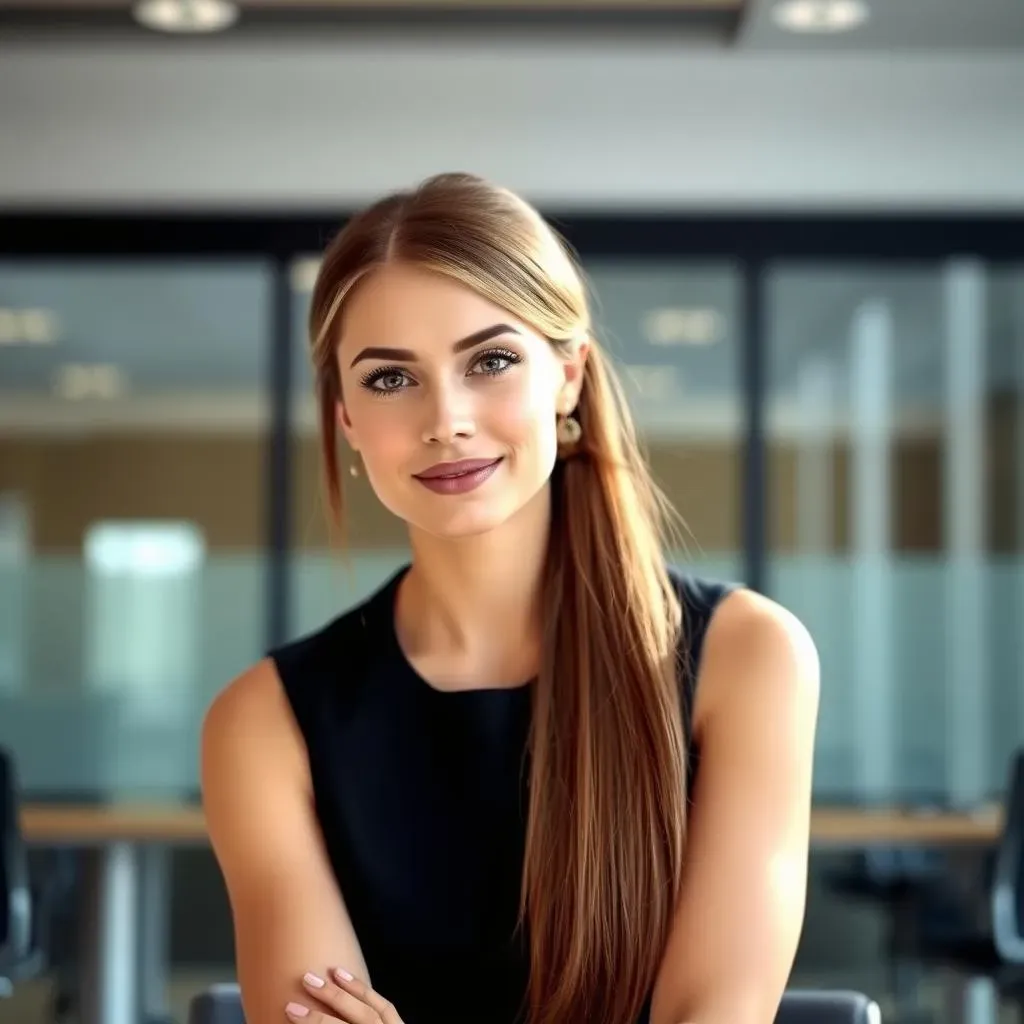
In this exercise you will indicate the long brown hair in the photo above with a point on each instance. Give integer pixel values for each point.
(606, 817)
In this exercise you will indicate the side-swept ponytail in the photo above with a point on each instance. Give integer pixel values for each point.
(607, 803)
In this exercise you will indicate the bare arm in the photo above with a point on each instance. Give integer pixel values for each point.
(741, 910)
(289, 916)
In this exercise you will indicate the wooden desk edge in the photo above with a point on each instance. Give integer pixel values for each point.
(70, 824)
(834, 827)
(73, 823)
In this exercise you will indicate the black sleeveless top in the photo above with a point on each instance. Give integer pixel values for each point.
(421, 798)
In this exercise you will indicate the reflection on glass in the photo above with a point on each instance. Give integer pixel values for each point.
(886, 385)
(15, 551)
(144, 587)
(1004, 470)
(672, 330)
(133, 421)
(143, 598)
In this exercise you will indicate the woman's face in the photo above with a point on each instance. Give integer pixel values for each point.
(451, 401)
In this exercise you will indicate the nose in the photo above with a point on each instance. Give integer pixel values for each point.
(451, 417)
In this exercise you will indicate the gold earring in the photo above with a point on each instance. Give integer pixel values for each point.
(569, 431)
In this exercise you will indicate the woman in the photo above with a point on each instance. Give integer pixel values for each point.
(478, 791)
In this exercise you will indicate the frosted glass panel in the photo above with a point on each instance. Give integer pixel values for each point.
(895, 450)
(144, 584)
(15, 553)
(134, 436)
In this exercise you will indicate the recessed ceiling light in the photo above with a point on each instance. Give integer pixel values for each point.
(76, 381)
(820, 15)
(28, 327)
(683, 326)
(186, 15)
(10, 327)
(38, 326)
(304, 272)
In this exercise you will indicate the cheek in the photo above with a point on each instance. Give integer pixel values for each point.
(381, 429)
(524, 413)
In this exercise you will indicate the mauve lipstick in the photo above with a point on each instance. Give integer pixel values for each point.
(458, 477)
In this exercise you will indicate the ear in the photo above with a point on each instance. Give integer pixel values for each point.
(573, 366)
(346, 424)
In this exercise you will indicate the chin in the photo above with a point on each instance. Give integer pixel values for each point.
(455, 517)
(452, 518)
(462, 523)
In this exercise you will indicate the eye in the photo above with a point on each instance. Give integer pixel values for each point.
(386, 380)
(496, 361)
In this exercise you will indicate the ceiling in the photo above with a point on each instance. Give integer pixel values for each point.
(703, 21)
(744, 25)
(914, 25)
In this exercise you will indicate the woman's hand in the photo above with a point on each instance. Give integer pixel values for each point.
(345, 1000)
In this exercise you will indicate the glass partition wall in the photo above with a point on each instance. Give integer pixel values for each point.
(835, 408)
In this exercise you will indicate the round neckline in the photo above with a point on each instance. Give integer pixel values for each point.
(389, 610)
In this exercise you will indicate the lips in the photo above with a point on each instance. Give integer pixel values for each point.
(454, 470)
(455, 478)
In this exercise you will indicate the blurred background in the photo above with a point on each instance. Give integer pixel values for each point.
(804, 225)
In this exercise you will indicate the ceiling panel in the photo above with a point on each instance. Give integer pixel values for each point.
(914, 25)
(749, 25)
(709, 21)
(166, 327)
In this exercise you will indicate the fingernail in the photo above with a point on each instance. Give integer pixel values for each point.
(312, 980)
(296, 1010)
(343, 974)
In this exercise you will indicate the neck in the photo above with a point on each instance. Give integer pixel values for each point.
(479, 597)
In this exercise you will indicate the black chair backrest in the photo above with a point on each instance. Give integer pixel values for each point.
(222, 1004)
(1008, 875)
(800, 1006)
(15, 894)
(219, 1004)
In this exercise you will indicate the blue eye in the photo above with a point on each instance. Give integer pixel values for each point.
(385, 380)
(496, 361)
(390, 380)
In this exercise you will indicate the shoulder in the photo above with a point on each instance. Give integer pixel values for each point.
(698, 596)
(309, 665)
(251, 709)
(248, 734)
(698, 592)
(294, 699)
(270, 710)
(344, 634)
(699, 599)
(758, 658)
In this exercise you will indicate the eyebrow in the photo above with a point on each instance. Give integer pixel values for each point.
(406, 355)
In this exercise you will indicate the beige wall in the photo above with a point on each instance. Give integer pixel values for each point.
(219, 482)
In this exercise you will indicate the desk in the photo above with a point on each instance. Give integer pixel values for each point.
(128, 878)
(77, 825)
(858, 827)
(85, 825)
(124, 955)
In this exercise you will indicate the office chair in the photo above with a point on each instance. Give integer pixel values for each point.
(988, 947)
(20, 957)
(826, 1006)
(219, 1004)
(1008, 877)
(896, 880)
(222, 1004)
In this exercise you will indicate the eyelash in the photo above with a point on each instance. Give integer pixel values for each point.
(368, 380)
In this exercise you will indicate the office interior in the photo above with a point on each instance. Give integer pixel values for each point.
(803, 224)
